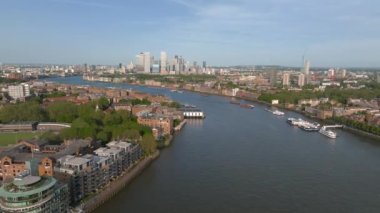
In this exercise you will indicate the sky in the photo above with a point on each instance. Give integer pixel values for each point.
(332, 33)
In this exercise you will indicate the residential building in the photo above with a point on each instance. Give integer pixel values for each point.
(19, 91)
(34, 194)
(301, 80)
(286, 79)
(273, 78)
(162, 122)
(89, 173)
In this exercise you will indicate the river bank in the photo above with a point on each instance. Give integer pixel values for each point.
(346, 128)
(117, 185)
(267, 166)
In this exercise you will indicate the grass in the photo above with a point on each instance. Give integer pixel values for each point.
(8, 138)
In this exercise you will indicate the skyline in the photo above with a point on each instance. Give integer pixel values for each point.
(239, 32)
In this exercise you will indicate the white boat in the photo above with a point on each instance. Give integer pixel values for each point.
(277, 112)
(294, 121)
(327, 132)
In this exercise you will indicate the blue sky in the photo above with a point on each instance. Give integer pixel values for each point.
(336, 33)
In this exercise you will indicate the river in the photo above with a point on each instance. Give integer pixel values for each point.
(248, 160)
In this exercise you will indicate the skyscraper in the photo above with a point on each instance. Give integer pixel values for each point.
(144, 62)
(306, 70)
(204, 65)
(147, 62)
(163, 63)
(286, 79)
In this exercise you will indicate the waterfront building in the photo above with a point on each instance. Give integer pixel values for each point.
(162, 122)
(79, 175)
(89, 173)
(286, 79)
(19, 92)
(28, 193)
(15, 160)
(301, 80)
(133, 151)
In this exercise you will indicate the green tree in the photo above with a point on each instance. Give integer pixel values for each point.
(62, 112)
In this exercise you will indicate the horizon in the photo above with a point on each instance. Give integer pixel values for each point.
(222, 33)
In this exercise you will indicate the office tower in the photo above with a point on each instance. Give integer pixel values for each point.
(301, 80)
(176, 64)
(181, 65)
(286, 79)
(140, 59)
(204, 65)
(156, 67)
(163, 62)
(144, 62)
(148, 59)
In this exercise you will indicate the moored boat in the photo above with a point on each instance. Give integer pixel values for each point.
(248, 106)
(327, 132)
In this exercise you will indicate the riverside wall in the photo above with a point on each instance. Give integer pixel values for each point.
(117, 185)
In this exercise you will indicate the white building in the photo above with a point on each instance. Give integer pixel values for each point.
(19, 91)
(331, 73)
(144, 61)
(301, 80)
(306, 70)
(163, 63)
(286, 79)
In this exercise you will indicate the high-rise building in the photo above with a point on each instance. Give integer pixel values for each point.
(306, 70)
(147, 62)
(204, 65)
(273, 78)
(156, 67)
(301, 80)
(144, 62)
(163, 62)
(286, 79)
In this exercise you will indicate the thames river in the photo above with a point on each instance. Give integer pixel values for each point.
(248, 160)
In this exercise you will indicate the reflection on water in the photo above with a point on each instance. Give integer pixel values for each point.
(194, 122)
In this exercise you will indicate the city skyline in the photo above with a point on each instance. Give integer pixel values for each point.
(222, 33)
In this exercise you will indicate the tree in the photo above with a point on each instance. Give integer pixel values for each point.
(103, 103)
(63, 111)
(148, 144)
